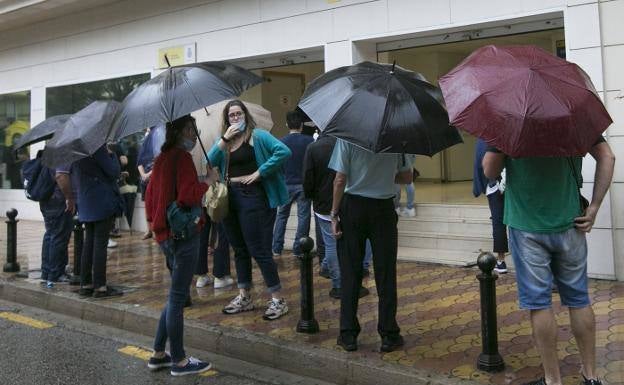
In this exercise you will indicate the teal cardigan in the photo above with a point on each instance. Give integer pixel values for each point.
(270, 154)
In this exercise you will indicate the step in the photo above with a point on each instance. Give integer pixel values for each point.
(440, 256)
(444, 241)
(468, 226)
(434, 210)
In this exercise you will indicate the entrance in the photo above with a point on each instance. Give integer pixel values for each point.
(285, 78)
(447, 177)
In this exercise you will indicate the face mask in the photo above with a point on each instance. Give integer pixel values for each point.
(188, 144)
(242, 126)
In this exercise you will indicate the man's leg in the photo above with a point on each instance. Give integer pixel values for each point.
(283, 212)
(350, 257)
(545, 338)
(320, 242)
(303, 218)
(583, 325)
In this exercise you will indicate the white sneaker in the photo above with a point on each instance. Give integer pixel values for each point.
(276, 309)
(203, 280)
(111, 244)
(223, 282)
(408, 212)
(239, 305)
(398, 211)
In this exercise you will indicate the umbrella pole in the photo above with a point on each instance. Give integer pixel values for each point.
(194, 125)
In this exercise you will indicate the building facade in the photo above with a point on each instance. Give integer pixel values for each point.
(54, 54)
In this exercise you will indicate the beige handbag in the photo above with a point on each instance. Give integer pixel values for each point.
(216, 198)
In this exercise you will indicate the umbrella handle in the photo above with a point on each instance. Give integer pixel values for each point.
(201, 143)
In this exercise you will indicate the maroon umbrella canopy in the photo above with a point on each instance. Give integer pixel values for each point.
(525, 101)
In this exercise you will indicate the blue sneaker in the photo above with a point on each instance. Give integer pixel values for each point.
(193, 366)
(501, 267)
(159, 363)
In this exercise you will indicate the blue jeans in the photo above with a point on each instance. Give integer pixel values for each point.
(540, 258)
(58, 228)
(295, 193)
(182, 257)
(249, 228)
(410, 191)
(331, 255)
(221, 254)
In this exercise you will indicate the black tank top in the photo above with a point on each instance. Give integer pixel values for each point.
(242, 161)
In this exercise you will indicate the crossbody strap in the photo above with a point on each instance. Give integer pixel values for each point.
(574, 173)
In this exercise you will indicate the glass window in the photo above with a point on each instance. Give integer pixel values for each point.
(14, 122)
(72, 98)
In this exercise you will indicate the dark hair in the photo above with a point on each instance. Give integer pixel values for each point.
(174, 131)
(249, 121)
(294, 120)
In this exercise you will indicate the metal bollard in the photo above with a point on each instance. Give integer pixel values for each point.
(78, 241)
(489, 359)
(307, 323)
(11, 266)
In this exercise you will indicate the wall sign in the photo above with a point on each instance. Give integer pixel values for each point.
(177, 55)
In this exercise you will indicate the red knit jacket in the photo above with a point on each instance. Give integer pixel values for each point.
(160, 192)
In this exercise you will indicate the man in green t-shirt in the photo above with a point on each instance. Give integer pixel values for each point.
(547, 237)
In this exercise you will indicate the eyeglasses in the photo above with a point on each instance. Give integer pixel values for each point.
(236, 114)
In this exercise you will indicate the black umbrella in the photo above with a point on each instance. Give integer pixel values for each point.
(129, 199)
(382, 108)
(41, 131)
(178, 91)
(83, 133)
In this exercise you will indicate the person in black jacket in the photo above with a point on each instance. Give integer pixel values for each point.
(318, 184)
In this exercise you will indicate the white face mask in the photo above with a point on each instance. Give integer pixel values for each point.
(188, 144)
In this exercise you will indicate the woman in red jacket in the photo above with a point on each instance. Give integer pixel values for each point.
(174, 178)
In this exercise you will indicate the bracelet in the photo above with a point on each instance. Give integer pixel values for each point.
(333, 214)
(224, 139)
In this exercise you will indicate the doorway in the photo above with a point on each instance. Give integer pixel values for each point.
(447, 176)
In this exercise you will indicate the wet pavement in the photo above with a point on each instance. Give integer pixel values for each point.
(438, 312)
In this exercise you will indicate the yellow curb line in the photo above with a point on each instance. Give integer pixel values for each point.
(25, 320)
(143, 354)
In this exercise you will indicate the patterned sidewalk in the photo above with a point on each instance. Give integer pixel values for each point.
(438, 312)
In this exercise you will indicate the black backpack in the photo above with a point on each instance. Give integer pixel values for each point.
(37, 180)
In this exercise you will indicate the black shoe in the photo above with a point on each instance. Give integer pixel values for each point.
(324, 273)
(109, 292)
(347, 342)
(587, 381)
(363, 292)
(188, 302)
(159, 363)
(335, 292)
(85, 292)
(390, 344)
(540, 381)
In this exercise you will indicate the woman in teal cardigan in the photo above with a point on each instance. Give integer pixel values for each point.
(256, 187)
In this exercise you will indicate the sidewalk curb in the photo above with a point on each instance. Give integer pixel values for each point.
(301, 359)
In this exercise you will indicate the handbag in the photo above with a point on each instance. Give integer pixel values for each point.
(182, 221)
(583, 202)
(216, 198)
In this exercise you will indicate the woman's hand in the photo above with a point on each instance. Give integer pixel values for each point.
(231, 132)
(248, 179)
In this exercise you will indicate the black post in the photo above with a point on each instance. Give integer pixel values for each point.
(78, 241)
(307, 323)
(489, 360)
(11, 266)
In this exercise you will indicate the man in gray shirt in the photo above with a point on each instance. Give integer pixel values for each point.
(363, 208)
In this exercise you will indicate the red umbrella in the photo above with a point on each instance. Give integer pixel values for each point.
(525, 101)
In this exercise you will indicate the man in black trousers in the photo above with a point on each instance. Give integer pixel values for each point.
(363, 208)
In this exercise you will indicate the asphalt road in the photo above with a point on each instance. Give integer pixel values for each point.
(42, 348)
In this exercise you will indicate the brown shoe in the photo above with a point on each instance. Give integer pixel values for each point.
(147, 235)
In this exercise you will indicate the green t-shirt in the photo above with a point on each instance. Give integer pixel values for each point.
(541, 194)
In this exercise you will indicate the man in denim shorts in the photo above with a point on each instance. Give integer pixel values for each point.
(547, 238)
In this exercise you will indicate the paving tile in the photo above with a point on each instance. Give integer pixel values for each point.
(438, 312)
